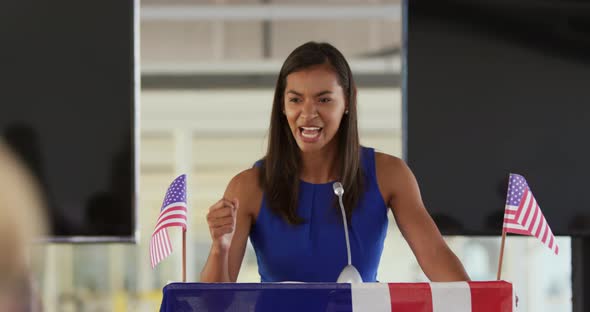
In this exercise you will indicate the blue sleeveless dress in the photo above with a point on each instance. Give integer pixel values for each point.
(315, 251)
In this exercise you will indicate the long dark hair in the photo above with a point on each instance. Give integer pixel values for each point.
(280, 170)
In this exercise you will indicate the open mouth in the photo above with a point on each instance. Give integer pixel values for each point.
(310, 133)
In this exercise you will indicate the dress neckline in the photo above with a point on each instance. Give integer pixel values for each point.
(316, 184)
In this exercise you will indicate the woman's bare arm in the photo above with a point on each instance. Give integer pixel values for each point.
(436, 259)
(229, 222)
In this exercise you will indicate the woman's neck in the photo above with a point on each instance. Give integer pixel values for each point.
(319, 166)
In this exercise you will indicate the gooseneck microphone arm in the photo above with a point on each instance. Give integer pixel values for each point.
(349, 274)
(345, 228)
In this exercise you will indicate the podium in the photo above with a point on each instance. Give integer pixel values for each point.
(496, 296)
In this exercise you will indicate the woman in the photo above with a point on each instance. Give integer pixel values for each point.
(286, 204)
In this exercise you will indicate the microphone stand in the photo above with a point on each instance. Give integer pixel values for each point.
(349, 274)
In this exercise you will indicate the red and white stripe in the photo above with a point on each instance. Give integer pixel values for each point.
(160, 246)
(495, 296)
(527, 219)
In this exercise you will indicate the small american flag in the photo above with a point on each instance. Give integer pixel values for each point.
(172, 213)
(523, 215)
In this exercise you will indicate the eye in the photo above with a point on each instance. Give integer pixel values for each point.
(294, 100)
(325, 100)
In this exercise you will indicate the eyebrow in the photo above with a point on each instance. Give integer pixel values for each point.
(318, 94)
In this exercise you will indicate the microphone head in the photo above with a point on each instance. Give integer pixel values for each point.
(350, 275)
(338, 189)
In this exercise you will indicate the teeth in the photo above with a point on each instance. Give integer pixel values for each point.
(310, 135)
(310, 132)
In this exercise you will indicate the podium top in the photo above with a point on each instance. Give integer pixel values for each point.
(402, 297)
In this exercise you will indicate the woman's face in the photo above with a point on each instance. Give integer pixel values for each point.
(314, 105)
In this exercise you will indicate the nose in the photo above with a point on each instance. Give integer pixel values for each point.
(309, 110)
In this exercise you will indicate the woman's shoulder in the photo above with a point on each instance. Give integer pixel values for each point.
(246, 188)
(386, 162)
(246, 180)
(391, 174)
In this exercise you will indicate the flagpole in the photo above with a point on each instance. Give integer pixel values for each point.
(183, 256)
(499, 274)
(501, 255)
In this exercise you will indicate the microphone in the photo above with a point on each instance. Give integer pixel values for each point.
(349, 274)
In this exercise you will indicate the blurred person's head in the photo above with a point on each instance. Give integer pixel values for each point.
(21, 221)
